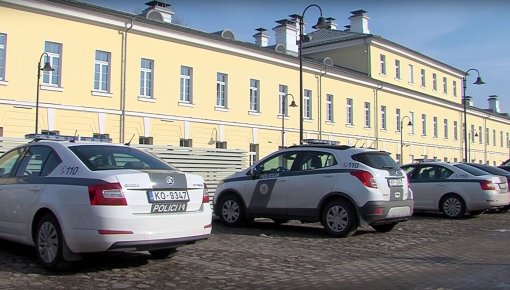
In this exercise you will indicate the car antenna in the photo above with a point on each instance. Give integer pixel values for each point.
(74, 137)
(129, 143)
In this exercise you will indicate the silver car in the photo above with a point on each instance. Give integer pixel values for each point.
(455, 189)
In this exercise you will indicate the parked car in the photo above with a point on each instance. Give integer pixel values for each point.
(67, 198)
(491, 169)
(455, 189)
(504, 167)
(342, 187)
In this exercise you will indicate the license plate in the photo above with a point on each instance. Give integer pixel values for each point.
(395, 182)
(169, 207)
(167, 195)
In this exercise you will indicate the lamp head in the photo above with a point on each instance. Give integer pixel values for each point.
(211, 141)
(47, 67)
(293, 104)
(409, 124)
(321, 23)
(479, 81)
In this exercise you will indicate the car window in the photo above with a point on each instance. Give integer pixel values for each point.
(314, 160)
(104, 157)
(8, 162)
(490, 169)
(408, 170)
(279, 163)
(37, 161)
(424, 173)
(470, 169)
(376, 159)
(443, 172)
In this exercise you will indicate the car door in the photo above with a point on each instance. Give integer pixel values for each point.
(8, 164)
(269, 185)
(429, 183)
(309, 181)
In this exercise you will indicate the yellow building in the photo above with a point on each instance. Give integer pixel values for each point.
(141, 77)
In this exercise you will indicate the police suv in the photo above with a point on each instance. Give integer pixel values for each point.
(342, 187)
(70, 197)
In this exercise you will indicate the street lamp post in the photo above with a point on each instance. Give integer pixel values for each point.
(293, 105)
(464, 87)
(47, 67)
(321, 24)
(402, 137)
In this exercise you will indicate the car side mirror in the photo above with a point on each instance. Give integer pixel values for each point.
(256, 171)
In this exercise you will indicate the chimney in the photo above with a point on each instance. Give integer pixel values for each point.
(493, 103)
(332, 23)
(469, 101)
(261, 37)
(158, 11)
(347, 28)
(286, 33)
(359, 22)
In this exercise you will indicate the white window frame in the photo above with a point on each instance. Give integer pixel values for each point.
(146, 78)
(368, 121)
(254, 96)
(397, 69)
(480, 135)
(3, 49)
(445, 128)
(434, 82)
(382, 59)
(411, 116)
(423, 78)
(307, 104)
(221, 90)
(411, 74)
(454, 88)
(329, 108)
(423, 124)
(102, 72)
(435, 126)
(383, 118)
(397, 116)
(445, 85)
(349, 111)
(186, 85)
(283, 101)
(455, 131)
(55, 60)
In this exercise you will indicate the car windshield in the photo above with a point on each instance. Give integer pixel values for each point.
(470, 169)
(101, 157)
(376, 159)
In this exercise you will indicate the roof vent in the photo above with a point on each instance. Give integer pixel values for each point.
(493, 103)
(226, 34)
(158, 11)
(280, 48)
(261, 37)
(359, 21)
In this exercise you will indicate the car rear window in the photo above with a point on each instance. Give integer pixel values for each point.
(490, 169)
(470, 169)
(103, 157)
(378, 160)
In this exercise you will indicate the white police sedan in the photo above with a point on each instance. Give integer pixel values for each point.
(69, 198)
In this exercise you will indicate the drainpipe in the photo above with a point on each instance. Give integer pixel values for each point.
(123, 81)
(376, 115)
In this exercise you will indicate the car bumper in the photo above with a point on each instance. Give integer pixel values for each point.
(110, 232)
(381, 212)
(489, 201)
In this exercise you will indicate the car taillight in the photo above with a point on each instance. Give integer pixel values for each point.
(487, 185)
(106, 194)
(205, 196)
(365, 177)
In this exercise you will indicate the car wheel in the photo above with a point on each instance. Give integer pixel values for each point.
(49, 243)
(162, 253)
(453, 206)
(384, 228)
(339, 218)
(232, 211)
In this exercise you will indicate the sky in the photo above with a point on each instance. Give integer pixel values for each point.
(465, 34)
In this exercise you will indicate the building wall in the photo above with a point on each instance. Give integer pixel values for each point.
(75, 108)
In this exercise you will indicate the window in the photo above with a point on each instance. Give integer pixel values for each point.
(434, 82)
(277, 163)
(307, 104)
(350, 111)
(283, 100)
(254, 153)
(494, 137)
(397, 69)
(411, 116)
(455, 130)
(434, 123)
(423, 125)
(383, 64)
(423, 79)
(367, 115)
(383, 118)
(445, 128)
(146, 140)
(454, 88)
(146, 75)
(37, 161)
(254, 96)
(221, 90)
(185, 142)
(102, 71)
(54, 53)
(411, 73)
(3, 44)
(445, 85)
(487, 136)
(472, 132)
(480, 133)
(500, 138)
(329, 108)
(397, 116)
(186, 85)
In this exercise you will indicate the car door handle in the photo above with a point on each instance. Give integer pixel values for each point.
(35, 188)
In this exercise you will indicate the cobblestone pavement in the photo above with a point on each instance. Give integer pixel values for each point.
(427, 252)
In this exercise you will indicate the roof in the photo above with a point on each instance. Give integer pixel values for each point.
(326, 36)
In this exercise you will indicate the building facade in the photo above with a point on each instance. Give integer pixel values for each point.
(144, 79)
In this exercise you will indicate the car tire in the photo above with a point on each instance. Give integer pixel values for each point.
(162, 253)
(339, 218)
(384, 228)
(49, 244)
(231, 211)
(453, 206)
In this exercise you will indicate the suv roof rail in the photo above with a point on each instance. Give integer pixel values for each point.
(320, 141)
